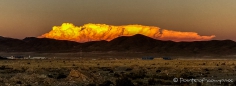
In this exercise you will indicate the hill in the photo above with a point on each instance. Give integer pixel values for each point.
(136, 43)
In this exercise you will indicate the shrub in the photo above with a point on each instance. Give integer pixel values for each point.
(139, 75)
(57, 75)
(139, 83)
(124, 82)
(199, 84)
(163, 76)
(206, 69)
(187, 75)
(91, 85)
(111, 71)
(106, 83)
(61, 76)
(116, 75)
(235, 82)
(223, 64)
(2, 67)
(158, 71)
(151, 81)
(164, 82)
(128, 69)
(18, 82)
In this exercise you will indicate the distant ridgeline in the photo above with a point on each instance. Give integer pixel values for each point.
(136, 43)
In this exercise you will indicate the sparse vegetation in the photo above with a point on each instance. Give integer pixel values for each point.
(112, 72)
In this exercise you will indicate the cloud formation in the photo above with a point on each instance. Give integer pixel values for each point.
(96, 32)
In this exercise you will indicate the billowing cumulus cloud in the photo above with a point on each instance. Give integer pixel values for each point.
(96, 32)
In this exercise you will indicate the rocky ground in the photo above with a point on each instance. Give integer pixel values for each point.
(116, 72)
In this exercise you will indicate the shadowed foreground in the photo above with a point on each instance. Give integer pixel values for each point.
(117, 72)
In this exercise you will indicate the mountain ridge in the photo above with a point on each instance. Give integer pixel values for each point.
(135, 43)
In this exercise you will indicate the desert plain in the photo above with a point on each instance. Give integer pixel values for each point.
(99, 69)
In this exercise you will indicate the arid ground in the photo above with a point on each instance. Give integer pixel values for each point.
(113, 71)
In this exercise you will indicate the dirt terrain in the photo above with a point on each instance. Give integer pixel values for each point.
(116, 72)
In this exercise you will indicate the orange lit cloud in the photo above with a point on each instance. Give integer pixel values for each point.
(183, 36)
(96, 32)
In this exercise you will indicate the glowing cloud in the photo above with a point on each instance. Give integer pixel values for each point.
(96, 32)
(183, 36)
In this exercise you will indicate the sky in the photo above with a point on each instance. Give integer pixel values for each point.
(32, 18)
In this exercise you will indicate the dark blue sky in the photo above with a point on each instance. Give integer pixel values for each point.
(23, 18)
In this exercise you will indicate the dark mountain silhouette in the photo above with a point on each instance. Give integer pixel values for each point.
(35, 45)
(10, 44)
(132, 43)
(136, 43)
(50, 45)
